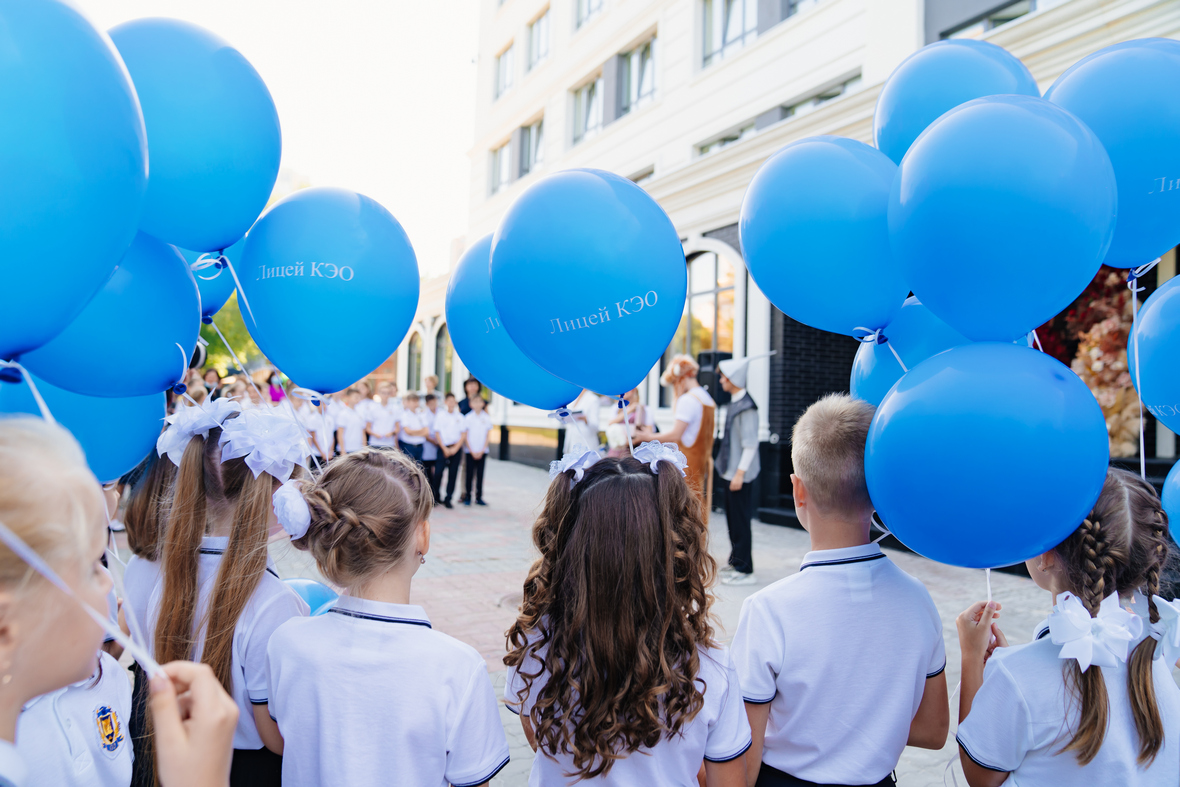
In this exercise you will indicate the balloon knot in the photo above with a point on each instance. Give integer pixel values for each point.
(9, 374)
(179, 389)
(207, 319)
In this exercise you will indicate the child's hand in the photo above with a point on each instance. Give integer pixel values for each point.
(195, 721)
(976, 631)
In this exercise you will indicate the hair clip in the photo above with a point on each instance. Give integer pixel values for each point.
(188, 422)
(291, 508)
(578, 459)
(1103, 640)
(271, 443)
(653, 452)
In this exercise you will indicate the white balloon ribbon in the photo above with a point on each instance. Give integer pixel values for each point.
(877, 337)
(1104, 640)
(1133, 283)
(28, 378)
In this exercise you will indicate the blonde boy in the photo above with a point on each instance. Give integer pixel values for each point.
(842, 664)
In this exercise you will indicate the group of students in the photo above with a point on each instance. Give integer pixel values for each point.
(614, 666)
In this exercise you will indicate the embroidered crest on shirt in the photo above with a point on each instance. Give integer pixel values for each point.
(110, 732)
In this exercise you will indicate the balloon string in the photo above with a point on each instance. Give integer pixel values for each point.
(316, 399)
(1037, 340)
(987, 576)
(28, 378)
(877, 523)
(1133, 283)
(237, 360)
(627, 424)
(238, 284)
(877, 337)
(207, 261)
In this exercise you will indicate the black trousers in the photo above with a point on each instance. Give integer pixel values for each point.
(737, 516)
(773, 777)
(256, 768)
(431, 468)
(474, 473)
(450, 465)
(412, 451)
(142, 773)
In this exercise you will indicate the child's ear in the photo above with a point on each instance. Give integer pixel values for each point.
(424, 536)
(798, 491)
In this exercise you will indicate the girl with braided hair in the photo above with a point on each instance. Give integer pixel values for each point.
(1091, 700)
(369, 693)
(612, 665)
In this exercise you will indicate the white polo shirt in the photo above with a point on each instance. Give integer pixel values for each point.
(78, 735)
(370, 694)
(272, 604)
(1020, 718)
(367, 408)
(140, 581)
(354, 428)
(719, 732)
(449, 426)
(429, 449)
(841, 651)
(383, 420)
(13, 771)
(411, 419)
(477, 426)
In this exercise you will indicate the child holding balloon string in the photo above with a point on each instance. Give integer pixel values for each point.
(1092, 700)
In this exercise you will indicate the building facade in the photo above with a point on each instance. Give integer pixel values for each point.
(688, 98)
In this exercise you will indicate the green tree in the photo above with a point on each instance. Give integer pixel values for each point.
(229, 320)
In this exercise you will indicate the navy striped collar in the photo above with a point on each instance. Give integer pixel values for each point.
(843, 556)
(216, 545)
(385, 612)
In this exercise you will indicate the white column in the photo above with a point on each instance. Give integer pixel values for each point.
(757, 342)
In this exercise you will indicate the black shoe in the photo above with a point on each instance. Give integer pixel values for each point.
(447, 503)
(465, 502)
(480, 503)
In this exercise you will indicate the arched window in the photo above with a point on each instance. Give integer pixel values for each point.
(709, 311)
(442, 360)
(414, 363)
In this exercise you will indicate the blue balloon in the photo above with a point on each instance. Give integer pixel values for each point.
(115, 434)
(589, 278)
(330, 286)
(318, 596)
(1127, 94)
(815, 235)
(915, 334)
(1157, 329)
(940, 465)
(216, 284)
(483, 344)
(936, 79)
(1001, 214)
(1171, 500)
(73, 168)
(136, 336)
(212, 128)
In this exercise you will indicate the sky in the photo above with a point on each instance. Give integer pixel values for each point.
(377, 96)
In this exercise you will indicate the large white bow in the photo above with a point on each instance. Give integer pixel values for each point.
(1103, 640)
(187, 422)
(291, 509)
(270, 442)
(1167, 630)
(578, 459)
(653, 452)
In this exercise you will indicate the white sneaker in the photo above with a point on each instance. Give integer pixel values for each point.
(738, 578)
(726, 570)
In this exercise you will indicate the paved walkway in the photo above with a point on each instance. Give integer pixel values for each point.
(470, 587)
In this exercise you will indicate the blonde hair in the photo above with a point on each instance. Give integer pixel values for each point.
(364, 509)
(679, 367)
(198, 394)
(828, 450)
(48, 496)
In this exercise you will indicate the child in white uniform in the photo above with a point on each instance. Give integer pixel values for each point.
(612, 664)
(370, 693)
(477, 425)
(383, 418)
(430, 447)
(218, 583)
(413, 428)
(1094, 701)
(838, 704)
(449, 424)
(350, 424)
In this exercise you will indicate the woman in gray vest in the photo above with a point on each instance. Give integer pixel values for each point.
(737, 463)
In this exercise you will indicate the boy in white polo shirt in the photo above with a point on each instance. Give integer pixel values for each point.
(478, 425)
(448, 429)
(836, 705)
(350, 425)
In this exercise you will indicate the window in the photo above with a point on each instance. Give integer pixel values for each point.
(442, 359)
(745, 132)
(414, 363)
(504, 67)
(993, 20)
(729, 25)
(501, 167)
(792, 7)
(532, 146)
(587, 110)
(643, 176)
(707, 324)
(539, 39)
(815, 102)
(637, 76)
(586, 10)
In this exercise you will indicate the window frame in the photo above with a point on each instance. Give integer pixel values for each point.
(444, 362)
(585, 10)
(631, 92)
(532, 146)
(715, 16)
(504, 76)
(534, 37)
(414, 362)
(583, 130)
(501, 174)
(682, 340)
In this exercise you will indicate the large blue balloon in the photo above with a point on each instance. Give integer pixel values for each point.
(940, 458)
(216, 284)
(1001, 214)
(1157, 328)
(915, 334)
(212, 128)
(73, 167)
(330, 284)
(589, 278)
(1127, 94)
(483, 344)
(815, 235)
(136, 336)
(1171, 499)
(115, 434)
(936, 79)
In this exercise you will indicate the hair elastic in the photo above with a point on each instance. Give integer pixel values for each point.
(291, 508)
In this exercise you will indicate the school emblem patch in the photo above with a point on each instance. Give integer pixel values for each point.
(110, 732)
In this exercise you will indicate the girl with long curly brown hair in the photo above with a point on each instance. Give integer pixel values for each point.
(612, 663)
(1091, 700)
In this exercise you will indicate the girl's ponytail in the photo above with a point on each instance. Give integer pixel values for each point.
(1140, 679)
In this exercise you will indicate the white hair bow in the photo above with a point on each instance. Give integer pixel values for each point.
(579, 459)
(1103, 640)
(187, 422)
(653, 452)
(1167, 630)
(270, 442)
(291, 509)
